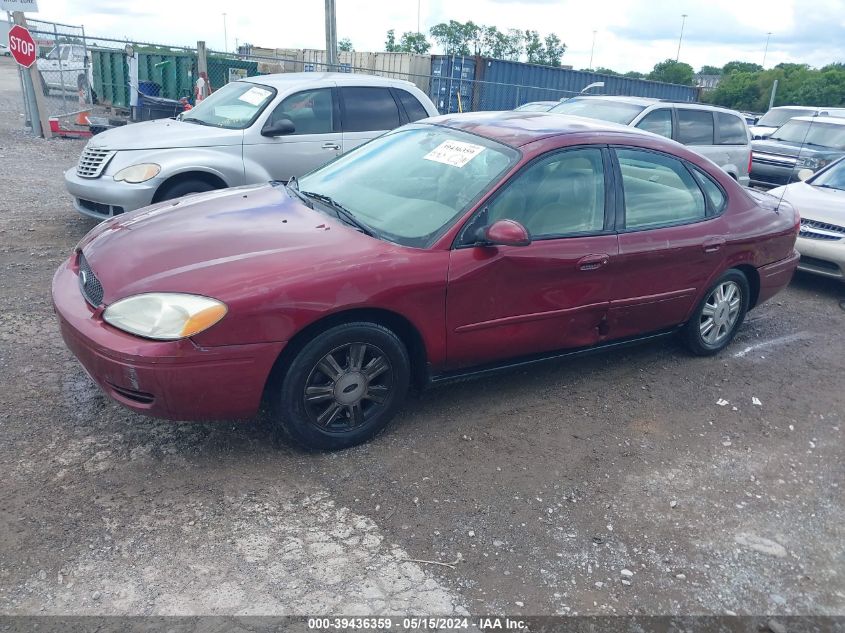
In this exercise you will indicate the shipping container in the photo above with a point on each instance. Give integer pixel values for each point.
(505, 85)
(315, 60)
(452, 84)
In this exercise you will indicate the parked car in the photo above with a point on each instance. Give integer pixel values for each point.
(804, 142)
(4, 51)
(750, 118)
(443, 249)
(820, 200)
(271, 127)
(536, 106)
(716, 133)
(66, 68)
(776, 117)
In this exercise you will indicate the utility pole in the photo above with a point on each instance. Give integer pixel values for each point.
(774, 92)
(592, 50)
(225, 36)
(766, 50)
(331, 35)
(418, 17)
(681, 39)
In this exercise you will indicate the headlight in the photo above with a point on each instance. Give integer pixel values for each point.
(138, 173)
(165, 316)
(811, 163)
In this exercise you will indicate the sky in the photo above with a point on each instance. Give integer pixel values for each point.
(629, 34)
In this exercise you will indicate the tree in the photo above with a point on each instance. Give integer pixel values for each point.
(710, 70)
(633, 74)
(602, 70)
(390, 44)
(672, 72)
(494, 43)
(452, 37)
(554, 50)
(533, 47)
(345, 45)
(414, 43)
(513, 50)
(740, 67)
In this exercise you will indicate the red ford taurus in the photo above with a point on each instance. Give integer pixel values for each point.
(455, 246)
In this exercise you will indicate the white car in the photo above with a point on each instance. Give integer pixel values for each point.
(269, 127)
(66, 68)
(4, 50)
(821, 202)
(776, 117)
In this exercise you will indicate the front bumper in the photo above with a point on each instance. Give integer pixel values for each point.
(176, 380)
(768, 176)
(822, 257)
(103, 197)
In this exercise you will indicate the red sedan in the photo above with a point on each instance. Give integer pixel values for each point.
(455, 246)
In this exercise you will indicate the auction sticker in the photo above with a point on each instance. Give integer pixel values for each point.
(454, 153)
(255, 95)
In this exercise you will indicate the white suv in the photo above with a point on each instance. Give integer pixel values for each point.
(716, 133)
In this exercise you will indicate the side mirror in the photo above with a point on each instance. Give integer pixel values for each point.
(506, 233)
(278, 128)
(804, 174)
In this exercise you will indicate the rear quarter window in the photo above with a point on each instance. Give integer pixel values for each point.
(413, 108)
(732, 129)
(695, 127)
(713, 192)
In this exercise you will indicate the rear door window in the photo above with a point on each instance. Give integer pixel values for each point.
(695, 127)
(658, 122)
(732, 129)
(413, 108)
(368, 109)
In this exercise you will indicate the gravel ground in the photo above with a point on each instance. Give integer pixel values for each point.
(609, 485)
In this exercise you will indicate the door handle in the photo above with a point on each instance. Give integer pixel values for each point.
(593, 262)
(331, 145)
(713, 244)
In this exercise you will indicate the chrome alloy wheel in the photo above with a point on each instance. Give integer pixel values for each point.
(348, 386)
(720, 312)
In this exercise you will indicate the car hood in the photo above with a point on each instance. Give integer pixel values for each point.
(164, 134)
(815, 203)
(761, 130)
(788, 148)
(223, 244)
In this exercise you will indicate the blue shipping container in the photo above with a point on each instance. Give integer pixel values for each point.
(452, 84)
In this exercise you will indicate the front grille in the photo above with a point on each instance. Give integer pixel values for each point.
(90, 286)
(811, 229)
(106, 210)
(773, 159)
(93, 161)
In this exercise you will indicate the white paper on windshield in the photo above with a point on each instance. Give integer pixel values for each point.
(454, 153)
(254, 95)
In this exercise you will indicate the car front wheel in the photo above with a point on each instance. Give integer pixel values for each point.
(342, 387)
(719, 315)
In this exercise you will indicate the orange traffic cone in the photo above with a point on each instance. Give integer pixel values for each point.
(82, 116)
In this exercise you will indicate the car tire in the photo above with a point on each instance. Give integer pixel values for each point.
(183, 188)
(719, 315)
(325, 404)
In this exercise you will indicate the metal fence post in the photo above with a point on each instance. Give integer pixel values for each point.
(39, 119)
(202, 63)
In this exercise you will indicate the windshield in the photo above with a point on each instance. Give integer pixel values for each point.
(410, 185)
(613, 111)
(833, 177)
(812, 133)
(235, 106)
(779, 116)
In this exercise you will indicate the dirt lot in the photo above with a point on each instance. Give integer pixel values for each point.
(613, 484)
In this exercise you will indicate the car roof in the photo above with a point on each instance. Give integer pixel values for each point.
(649, 101)
(835, 120)
(289, 80)
(517, 128)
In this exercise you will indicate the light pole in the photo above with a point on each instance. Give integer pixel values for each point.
(766, 50)
(681, 39)
(592, 50)
(418, 17)
(225, 35)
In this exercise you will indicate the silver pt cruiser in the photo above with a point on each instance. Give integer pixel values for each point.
(270, 127)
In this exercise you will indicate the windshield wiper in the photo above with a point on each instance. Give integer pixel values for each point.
(197, 121)
(341, 212)
(829, 187)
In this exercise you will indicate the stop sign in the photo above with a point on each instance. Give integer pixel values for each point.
(22, 46)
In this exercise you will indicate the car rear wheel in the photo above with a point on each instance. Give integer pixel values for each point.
(183, 188)
(343, 387)
(719, 315)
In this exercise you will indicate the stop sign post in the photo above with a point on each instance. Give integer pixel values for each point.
(22, 46)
